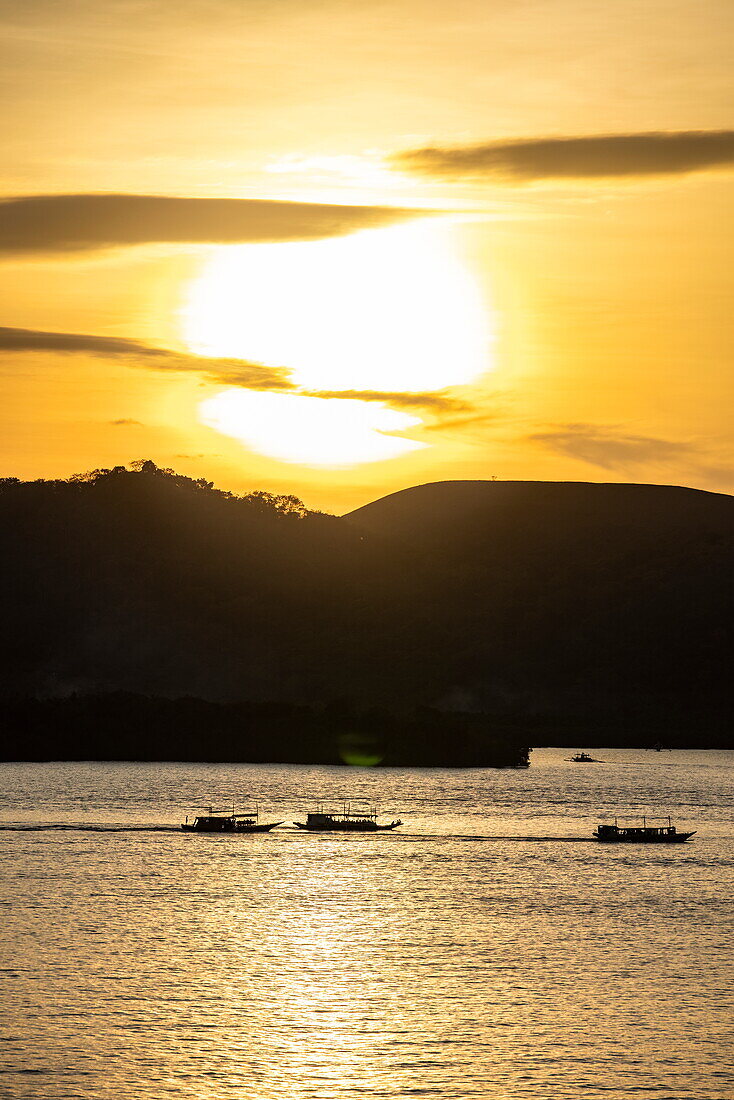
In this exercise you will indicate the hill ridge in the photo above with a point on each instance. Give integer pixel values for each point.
(564, 604)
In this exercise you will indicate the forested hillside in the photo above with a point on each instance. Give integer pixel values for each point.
(559, 612)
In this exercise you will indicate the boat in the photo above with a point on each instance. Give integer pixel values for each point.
(224, 821)
(351, 818)
(584, 758)
(642, 834)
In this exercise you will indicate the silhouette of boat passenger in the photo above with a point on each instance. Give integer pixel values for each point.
(360, 819)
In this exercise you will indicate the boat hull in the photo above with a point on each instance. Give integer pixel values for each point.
(232, 831)
(335, 827)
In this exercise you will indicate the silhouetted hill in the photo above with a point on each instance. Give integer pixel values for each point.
(600, 606)
(148, 581)
(558, 612)
(517, 512)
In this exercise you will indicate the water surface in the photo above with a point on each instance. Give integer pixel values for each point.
(487, 949)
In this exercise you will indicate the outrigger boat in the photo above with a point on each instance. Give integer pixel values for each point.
(222, 821)
(641, 834)
(359, 818)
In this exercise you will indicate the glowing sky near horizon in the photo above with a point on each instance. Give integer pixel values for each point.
(570, 309)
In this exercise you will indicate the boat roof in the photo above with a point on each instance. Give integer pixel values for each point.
(642, 822)
(210, 812)
(355, 807)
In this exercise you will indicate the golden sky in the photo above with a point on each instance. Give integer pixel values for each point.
(338, 249)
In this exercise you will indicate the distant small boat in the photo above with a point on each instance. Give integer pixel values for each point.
(359, 818)
(222, 821)
(584, 758)
(641, 834)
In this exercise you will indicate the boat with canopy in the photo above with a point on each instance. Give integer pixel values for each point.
(352, 817)
(228, 821)
(663, 833)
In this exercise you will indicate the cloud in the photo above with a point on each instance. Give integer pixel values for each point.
(67, 223)
(229, 372)
(125, 423)
(610, 448)
(597, 156)
(473, 417)
(27, 339)
(437, 401)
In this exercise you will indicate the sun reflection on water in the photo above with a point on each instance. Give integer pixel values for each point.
(437, 960)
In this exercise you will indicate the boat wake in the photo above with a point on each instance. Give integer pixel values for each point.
(353, 837)
(72, 828)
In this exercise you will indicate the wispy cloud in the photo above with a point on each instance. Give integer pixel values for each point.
(473, 417)
(595, 156)
(436, 401)
(242, 373)
(610, 448)
(124, 422)
(67, 223)
(29, 339)
(228, 372)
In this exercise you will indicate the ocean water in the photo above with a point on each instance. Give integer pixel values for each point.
(488, 948)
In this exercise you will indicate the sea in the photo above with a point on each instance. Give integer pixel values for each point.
(487, 948)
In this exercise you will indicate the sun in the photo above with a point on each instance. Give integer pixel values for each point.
(391, 310)
(310, 431)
